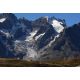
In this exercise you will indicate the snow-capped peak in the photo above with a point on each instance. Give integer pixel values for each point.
(57, 26)
(2, 20)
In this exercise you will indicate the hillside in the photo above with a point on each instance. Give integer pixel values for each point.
(20, 63)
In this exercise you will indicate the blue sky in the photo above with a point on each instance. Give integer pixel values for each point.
(71, 18)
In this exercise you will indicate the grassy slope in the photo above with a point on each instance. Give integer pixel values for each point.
(20, 63)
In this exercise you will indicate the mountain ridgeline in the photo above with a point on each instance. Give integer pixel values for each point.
(44, 39)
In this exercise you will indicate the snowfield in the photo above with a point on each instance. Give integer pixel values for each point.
(2, 20)
(57, 26)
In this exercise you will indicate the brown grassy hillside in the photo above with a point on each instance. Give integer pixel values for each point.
(20, 63)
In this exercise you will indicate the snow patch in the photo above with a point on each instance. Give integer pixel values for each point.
(2, 20)
(53, 40)
(30, 37)
(17, 41)
(57, 26)
(6, 33)
(36, 38)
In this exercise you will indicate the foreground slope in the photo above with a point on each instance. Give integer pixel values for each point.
(4, 62)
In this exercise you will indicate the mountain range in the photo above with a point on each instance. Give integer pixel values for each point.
(44, 39)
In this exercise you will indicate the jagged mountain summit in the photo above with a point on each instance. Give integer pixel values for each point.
(46, 38)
